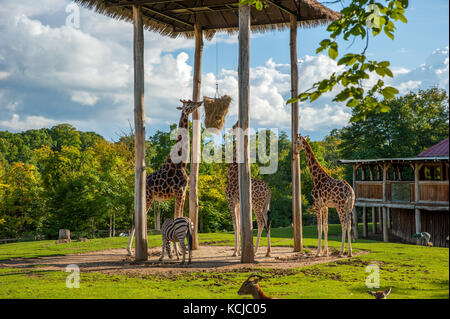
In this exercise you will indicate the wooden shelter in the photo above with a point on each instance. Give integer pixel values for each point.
(412, 194)
(200, 19)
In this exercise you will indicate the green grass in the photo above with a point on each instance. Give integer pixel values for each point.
(412, 271)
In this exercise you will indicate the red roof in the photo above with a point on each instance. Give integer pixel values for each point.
(440, 149)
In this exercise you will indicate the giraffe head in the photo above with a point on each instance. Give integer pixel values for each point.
(189, 106)
(300, 142)
(380, 294)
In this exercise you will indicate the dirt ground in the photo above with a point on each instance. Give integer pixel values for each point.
(205, 259)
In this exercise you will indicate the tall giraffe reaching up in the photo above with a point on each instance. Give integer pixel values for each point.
(171, 180)
(260, 203)
(328, 192)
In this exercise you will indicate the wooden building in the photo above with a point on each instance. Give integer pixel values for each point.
(404, 195)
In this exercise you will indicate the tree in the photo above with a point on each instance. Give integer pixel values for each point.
(415, 122)
(20, 209)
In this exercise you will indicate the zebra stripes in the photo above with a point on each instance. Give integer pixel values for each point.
(176, 231)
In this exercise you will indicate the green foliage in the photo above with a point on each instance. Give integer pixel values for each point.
(414, 122)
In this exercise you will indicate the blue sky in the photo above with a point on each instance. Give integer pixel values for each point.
(51, 73)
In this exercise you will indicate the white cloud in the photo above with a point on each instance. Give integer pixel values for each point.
(30, 122)
(434, 72)
(85, 98)
(4, 75)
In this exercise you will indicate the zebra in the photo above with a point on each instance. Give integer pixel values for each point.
(176, 231)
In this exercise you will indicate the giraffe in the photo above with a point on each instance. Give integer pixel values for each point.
(171, 180)
(260, 203)
(328, 192)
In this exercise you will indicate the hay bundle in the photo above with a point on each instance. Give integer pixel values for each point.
(215, 111)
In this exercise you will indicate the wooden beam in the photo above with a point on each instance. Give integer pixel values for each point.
(360, 203)
(111, 4)
(168, 16)
(140, 208)
(247, 255)
(296, 185)
(283, 8)
(196, 131)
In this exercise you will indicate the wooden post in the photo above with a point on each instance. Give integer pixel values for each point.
(196, 138)
(374, 220)
(247, 255)
(388, 220)
(381, 210)
(417, 168)
(417, 218)
(385, 228)
(364, 220)
(139, 129)
(296, 186)
(371, 176)
(355, 213)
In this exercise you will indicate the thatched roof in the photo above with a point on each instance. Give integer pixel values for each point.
(177, 17)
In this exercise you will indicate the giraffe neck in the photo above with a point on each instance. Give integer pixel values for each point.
(233, 168)
(182, 124)
(317, 172)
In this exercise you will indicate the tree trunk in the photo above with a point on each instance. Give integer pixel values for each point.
(296, 185)
(139, 124)
(196, 138)
(243, 145)
(64, 234)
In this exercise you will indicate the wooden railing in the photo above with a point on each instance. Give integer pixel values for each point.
(403, 191)
(369, 190)
(433, 191)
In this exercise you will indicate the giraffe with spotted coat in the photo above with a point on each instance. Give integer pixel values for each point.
(260, 203)
(171, 180)
(328, 192)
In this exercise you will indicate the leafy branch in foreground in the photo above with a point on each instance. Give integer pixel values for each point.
(358, 20)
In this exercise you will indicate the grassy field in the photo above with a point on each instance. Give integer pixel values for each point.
(412, 272)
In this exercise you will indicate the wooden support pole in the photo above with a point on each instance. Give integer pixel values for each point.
(140, 209)
(296, 186)
(385, 228)
(381, 211)
(355, 212)
(245, 196)
(364, 220)
(196, 132)
(417, 217)
(374, 220)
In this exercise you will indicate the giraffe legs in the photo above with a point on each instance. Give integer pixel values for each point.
(319, 230)
(180, 197)
(325, 229)
(349, 232)
(237, 230)
(343, 240)
(260, 229)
